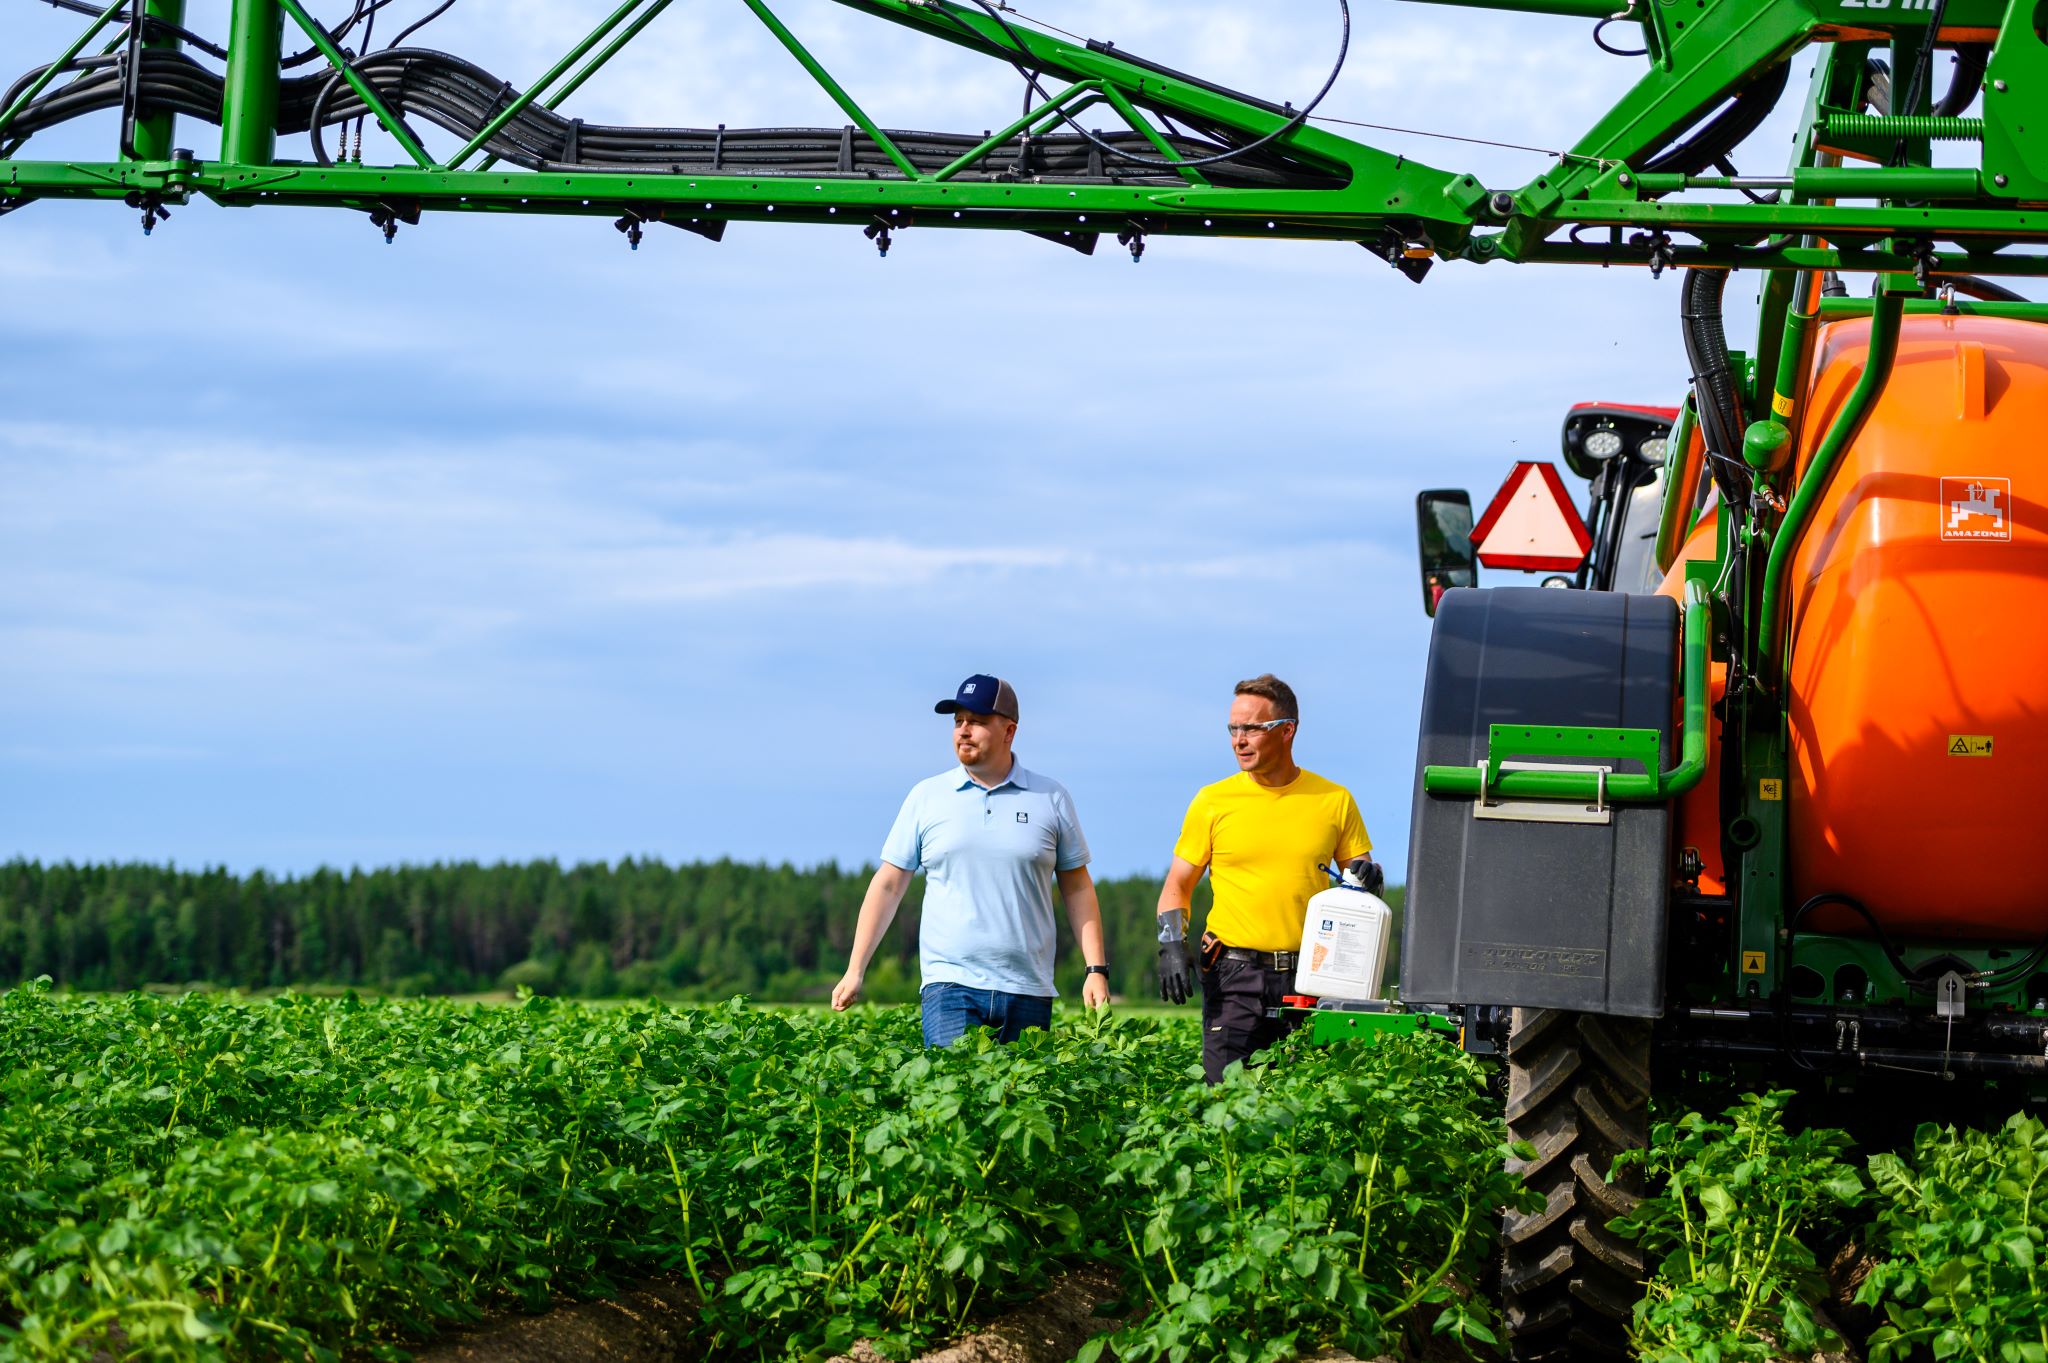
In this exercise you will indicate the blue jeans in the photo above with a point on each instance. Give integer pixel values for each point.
(950, 1009)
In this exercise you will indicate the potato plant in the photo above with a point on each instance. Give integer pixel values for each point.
(1965, 1220)
(1322, 1199)
(1736, 1201)
(209, 1178)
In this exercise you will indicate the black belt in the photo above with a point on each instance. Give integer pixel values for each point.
(1282, 961)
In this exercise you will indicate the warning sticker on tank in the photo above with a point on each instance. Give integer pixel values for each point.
(1969, 745)
(1976, 508)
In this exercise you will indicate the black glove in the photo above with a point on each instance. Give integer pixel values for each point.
(1176, 972)
(1176, 968)
(1367, 872)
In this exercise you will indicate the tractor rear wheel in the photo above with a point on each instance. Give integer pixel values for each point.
(1579, 1091)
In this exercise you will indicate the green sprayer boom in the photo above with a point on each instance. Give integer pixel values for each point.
(1649, 184)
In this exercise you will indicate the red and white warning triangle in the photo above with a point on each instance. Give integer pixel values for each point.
(1531, 524)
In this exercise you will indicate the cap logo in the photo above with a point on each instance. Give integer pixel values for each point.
(967, 690)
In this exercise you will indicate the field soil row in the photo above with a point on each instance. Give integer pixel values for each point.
(656, 1321)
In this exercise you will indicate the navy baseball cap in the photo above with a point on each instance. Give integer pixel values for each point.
(983, 695)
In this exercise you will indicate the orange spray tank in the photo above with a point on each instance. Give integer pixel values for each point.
(1917, 677)
(1918, 602)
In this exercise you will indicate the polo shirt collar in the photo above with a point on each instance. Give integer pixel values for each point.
(1018, 777)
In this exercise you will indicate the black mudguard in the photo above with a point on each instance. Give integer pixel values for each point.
(1540, 915)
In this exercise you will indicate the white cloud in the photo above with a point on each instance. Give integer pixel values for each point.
(747, 565)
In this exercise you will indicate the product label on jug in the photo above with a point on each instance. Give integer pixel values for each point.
(1344, 950)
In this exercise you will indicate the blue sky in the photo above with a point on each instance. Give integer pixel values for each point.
(503, 541)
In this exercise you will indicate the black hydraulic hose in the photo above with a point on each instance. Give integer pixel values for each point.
(1600, 40)
(368, 46)
(315, 118)
(417, 25)
(1743, 115)
(1978, 287)
(1855, 906)
(152, 27)
(1971, 59)
(462, 98)
(362, 8)
(1713, 375)
(30, 76)
(1769, 246)
(2005, 974)
(1914, 976)
(1922, 64)
(1160, 162)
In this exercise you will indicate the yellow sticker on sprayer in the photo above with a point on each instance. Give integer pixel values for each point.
(1969, 745)
(1781, 405)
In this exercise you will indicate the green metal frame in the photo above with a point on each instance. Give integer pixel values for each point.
(1827, 956)
(1832, 216)
(1326, 1025)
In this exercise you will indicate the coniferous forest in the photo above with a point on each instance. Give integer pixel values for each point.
(708, 930)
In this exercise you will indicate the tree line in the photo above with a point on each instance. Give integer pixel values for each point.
(705, 930)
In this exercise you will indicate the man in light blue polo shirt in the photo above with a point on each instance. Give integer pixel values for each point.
(991, 838)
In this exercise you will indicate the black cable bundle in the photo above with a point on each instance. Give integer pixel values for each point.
(461, 98)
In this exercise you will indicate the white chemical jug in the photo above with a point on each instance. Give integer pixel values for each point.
(1344, 940)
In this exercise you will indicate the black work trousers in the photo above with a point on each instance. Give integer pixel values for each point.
(1236, 998)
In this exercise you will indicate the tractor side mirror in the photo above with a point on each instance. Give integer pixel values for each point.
(1444, 528)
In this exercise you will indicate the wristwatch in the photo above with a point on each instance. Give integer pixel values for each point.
(1097, 970)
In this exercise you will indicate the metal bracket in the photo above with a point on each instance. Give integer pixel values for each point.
(1949, 995)
(1549, 811)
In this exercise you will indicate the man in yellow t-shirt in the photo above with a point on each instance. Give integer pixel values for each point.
(1262, 836)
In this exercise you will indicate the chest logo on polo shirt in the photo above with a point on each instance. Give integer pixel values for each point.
(1023, 817)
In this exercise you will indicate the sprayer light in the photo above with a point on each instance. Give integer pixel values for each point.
(1653, 450)
(1603, 444)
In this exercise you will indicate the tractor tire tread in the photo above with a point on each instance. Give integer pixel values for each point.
(1541, 1086)
(1578, 1092)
